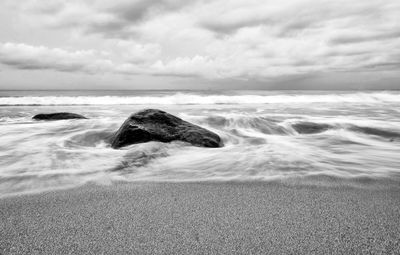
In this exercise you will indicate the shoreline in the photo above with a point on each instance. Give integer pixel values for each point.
(195, 218)
(311, 181)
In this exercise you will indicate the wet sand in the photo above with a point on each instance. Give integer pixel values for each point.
(202, 218)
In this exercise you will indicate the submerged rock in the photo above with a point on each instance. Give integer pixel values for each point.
(376, 132)
(310, 127)
(156, 125)
(58, 116)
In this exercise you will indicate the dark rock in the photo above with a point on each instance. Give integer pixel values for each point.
(376, 132)
(58, 116)
(310, 127)
(155, 125)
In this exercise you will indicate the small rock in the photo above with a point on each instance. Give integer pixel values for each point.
(310, 127)
(58, 116)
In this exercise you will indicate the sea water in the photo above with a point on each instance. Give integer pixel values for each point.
(360, 146)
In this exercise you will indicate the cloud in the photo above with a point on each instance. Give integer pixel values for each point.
(214, 40)
(122, 16)
(28, 57)
(110, 19)
(286, 17)
(187, 67)
(24, 56)
(135, 11)
(365, 37)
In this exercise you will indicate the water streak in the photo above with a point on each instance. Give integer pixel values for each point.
(316, 138)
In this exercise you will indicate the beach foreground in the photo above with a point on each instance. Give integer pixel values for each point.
(202, 218)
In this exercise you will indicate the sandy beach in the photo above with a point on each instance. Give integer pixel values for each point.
(202, 218)
(199, 127)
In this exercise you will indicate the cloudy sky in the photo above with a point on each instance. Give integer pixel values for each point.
(200, 44)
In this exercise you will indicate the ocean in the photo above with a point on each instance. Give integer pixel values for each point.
(353, 139)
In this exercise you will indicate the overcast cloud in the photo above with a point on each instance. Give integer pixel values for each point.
(202, 41)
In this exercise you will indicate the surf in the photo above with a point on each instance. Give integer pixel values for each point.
(317, 138)
(197, 99)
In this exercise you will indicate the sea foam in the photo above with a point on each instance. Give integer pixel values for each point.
(354, 136)
(190, 99)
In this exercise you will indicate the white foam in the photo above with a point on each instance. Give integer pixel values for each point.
(259, 142)
(189, 99)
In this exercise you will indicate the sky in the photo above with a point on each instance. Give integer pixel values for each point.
(200, 44)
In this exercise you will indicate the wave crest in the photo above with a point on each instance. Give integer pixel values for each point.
(193, 99)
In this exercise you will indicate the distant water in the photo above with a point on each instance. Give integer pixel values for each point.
(313, 137)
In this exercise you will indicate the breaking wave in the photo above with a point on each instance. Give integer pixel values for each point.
(190, 99)
(284, 137)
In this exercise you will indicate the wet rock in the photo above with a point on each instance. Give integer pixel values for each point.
(156, 125)
(377, 132)
(310, 127)
(58, 116)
